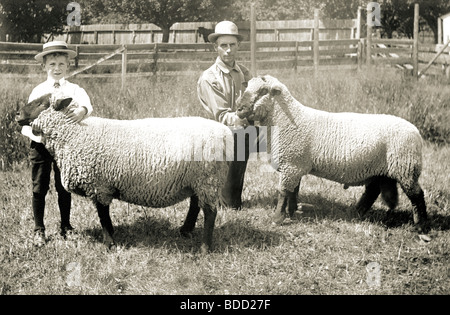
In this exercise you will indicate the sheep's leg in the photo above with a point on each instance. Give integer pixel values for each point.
(286, 199)
(107, 227)
(191, 217)
(292, 205)
(369, 196)
(416, 196)
(389, 192)
(210, 218)
(297, 189)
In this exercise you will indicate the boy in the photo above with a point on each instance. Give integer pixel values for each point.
(55, 61)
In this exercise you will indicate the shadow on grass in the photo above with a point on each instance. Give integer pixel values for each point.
(324, 207)
(161, 233)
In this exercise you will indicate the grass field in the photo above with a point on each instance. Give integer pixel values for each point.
(326, 249)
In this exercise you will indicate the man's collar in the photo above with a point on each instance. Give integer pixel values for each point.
(224, 68)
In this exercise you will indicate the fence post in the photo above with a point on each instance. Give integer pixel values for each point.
(77, 57)
(358, 23)
(369, 43)
(296, 57)
(416, 42)
(359, 53)
(253, 39)
(440, 37)
(155, 60)
(316, 42)
(124, 65)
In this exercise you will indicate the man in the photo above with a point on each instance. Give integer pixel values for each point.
(218, 89)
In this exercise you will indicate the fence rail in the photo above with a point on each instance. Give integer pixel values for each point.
(162, 58)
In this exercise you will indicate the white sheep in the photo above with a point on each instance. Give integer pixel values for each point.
(155, 162)
(354, 149)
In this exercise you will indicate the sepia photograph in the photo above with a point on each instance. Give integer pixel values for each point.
(227, 155)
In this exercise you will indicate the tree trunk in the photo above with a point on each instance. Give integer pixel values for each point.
(166, 33)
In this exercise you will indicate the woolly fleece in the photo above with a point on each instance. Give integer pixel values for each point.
(154, 162)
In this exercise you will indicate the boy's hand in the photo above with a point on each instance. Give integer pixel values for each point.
(76, 114)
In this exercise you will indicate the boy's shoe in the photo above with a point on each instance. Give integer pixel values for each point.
(39, 238)
(67, 232)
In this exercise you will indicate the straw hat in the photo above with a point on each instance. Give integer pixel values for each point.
(53, 47)
(224, 28)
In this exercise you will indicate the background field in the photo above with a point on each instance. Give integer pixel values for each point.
(326, 250)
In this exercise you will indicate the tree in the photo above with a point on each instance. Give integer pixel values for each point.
(396, 15)
(430, 10)
(340, 9)
(165, 13)
(270, 10)
(28, 21)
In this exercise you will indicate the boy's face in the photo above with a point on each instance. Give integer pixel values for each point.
(56, 66)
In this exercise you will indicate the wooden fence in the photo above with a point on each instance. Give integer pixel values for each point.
(153, 59)
(166, 58)
(157, 58)
(188, 32)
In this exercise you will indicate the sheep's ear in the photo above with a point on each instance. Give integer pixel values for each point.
(61, 104)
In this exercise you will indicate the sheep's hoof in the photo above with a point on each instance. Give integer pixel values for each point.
(205, 249)
(422, 228)
(424, 238)
(110, 246)
(360, 212)
(278, 218)
(186, 233)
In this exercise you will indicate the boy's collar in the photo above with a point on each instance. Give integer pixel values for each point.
(52, 82)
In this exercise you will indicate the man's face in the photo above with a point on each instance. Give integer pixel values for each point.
(227, 47)
(56, 66)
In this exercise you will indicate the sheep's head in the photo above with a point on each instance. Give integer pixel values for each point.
(257, 100)
(31, 111)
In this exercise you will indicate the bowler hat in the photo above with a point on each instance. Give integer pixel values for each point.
(224, 28)
(54, 47)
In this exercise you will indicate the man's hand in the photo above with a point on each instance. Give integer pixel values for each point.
(76, 114)
(241, 122)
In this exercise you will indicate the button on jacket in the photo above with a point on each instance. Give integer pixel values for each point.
(218, 89)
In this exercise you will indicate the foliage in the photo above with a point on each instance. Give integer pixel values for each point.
(28, 21)
(163, 13)
(430, 10)
(13, 146)
(398, 15)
